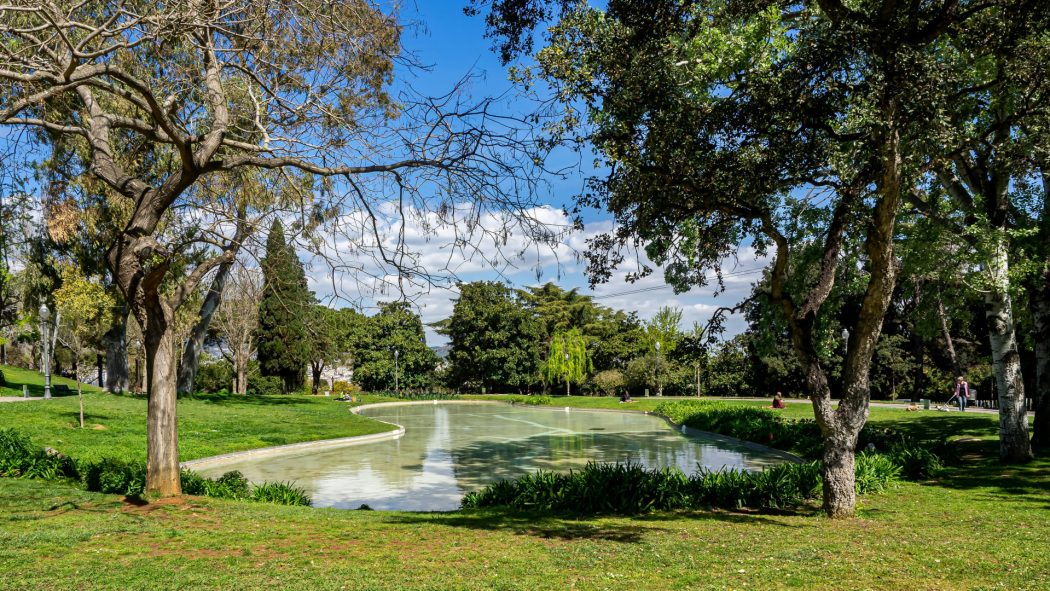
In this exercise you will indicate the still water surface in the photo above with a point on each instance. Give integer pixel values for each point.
(450, 449)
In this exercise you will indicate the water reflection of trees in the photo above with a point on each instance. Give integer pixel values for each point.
(482, 462)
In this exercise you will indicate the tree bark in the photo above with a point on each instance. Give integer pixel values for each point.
(956, 368)
(1014, 445)
(80, 395)
(839, 476)
(191, 354)
(316, 368)
(116, 343)
(1040, 302)
(162, 439)
(1041, 320)
(241, 370)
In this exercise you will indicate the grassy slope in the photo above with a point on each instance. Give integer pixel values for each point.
(116, 425)
(16, 376)
(980, 526)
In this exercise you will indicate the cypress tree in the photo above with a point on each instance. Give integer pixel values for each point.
(284, 345)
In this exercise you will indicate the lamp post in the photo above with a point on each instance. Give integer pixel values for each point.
(659, 385)
(396, 388)
(45, 354)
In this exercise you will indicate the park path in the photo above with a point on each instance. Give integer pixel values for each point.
(19, 398)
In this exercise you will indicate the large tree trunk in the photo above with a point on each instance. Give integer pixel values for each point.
(241, 370)
(1040, 299)
(191, 354)
(116, 343)
(316, 369)
(1014, 445)
(162, 439)
(946, 330)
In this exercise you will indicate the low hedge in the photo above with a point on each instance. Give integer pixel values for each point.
(627, 489)
(21, 459)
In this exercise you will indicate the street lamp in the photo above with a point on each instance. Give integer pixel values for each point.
(659, 385)
(45, 355)
(396, 388)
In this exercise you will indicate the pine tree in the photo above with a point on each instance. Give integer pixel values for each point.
(284, 344)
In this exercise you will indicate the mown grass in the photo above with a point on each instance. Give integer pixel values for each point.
(981, 526)
(208, 425)
(15, 377)
(978, 525)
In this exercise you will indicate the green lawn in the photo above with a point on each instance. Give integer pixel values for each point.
(208, 425)
(14, 377)
(980, 525)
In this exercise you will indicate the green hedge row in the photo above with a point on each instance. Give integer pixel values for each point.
(21, 459)
(800, 436)
(628, 489)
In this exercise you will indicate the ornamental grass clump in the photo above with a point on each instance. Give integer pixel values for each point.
(628, 489)
(875, 473)
(280, 493)
(19, 458)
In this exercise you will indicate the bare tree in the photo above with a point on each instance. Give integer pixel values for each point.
(236, 319)
(211, 87)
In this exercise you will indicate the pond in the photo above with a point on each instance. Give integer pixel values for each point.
(450, 449)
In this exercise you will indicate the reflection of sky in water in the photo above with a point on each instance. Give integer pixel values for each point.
(450, 449)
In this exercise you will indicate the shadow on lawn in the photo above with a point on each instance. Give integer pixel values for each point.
(980, 469)
(232, 400)
(573, 528)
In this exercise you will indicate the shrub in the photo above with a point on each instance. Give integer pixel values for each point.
(916, 463)
(266, 385)
(20, 458)
(114, 476)
(608, 382)
(214, 376)
(875, 473)
(3, 380)
(630, 489)
(341, 387)
(280, 493)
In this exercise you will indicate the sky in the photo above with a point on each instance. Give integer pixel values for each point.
(451, 46)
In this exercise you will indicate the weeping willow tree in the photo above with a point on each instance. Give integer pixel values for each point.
(569, 360)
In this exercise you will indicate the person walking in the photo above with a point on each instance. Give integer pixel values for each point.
(962, 392)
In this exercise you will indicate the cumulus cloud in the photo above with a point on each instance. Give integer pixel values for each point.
(349, 268)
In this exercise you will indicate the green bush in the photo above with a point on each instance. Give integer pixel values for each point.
(280, 493)
(113, 476)
(875, 473)
(628, 489)
(214, 376)
(20, 458)
(265, 385)
(532, 400)
(916, 463)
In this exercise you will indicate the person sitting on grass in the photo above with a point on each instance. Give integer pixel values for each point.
(625, 397)
(778, 401)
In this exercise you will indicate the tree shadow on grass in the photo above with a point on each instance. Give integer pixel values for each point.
(568, 527)
(232, 401)
(979, 471)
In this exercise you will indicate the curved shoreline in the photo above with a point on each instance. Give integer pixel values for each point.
(399, 431)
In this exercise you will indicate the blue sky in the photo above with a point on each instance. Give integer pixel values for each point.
(452, 45)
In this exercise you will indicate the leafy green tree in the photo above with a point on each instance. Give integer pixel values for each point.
(397, 354)
(712, 116)
(568, 359)
(283, 337)
(82, 307)
(494, 340)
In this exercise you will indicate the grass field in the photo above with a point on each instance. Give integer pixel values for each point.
(208, 425)
(16, 376)
(979, 525)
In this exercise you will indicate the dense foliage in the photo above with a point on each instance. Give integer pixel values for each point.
(629, 489)
(283, 334)
(19, 458)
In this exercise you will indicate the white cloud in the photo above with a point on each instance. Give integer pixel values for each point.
(349, 273)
